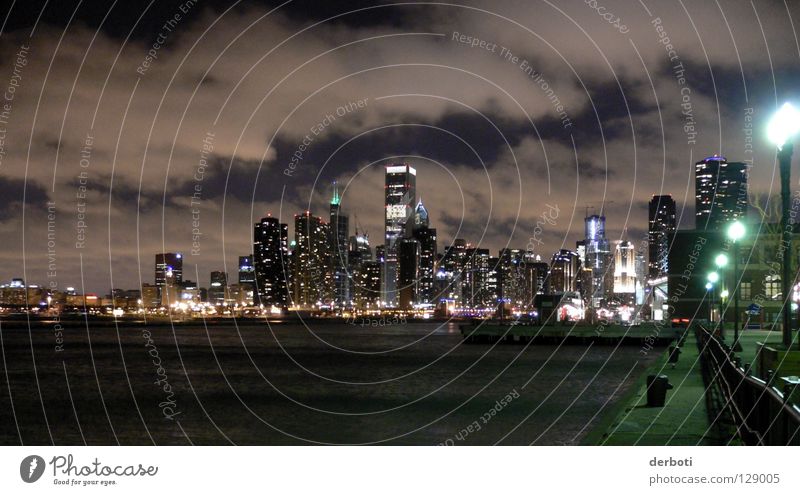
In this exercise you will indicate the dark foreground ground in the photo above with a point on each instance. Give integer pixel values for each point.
(414, 384)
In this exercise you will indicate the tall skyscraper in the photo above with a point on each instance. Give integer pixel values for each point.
(408, 272)
(661, 229)
(218, 288)
(599, 259)
(534, 278)
(625, 272)
(400, 190)
(313, 282)
(451, 271)
(510, 276)
(720, 192)
(271, 261)
(426, 264)
(368, 286)
(247, 271)
(475, 284)
(169, 269)
(339, 231)
(563, 276)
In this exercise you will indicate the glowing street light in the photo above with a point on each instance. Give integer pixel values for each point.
(736, 231)
(724, 294)
(785, 124)
(721, 260)
(713, 278)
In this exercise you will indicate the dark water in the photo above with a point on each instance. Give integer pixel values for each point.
(334, 383)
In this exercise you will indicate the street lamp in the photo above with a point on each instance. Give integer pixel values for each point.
(783, 126)
(712, 278)
(709, 289)
(723, 296)
(736, 231)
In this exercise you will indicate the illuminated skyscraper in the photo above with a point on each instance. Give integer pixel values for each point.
(475, 281)
(169, 269)
(339, 231)
(400, 190)
(271, 262)
(563, 274)
(247, 271)
(368, 286)
(625, 272)
(720, 192)
(426, 273)
(313, 282)
(510, 276)
(218, 290)
(450, 273)
(661, 229)
(599, 259)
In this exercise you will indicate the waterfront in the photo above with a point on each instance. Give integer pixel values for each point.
(414, 384)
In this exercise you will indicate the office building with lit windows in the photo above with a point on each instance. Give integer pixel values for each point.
(270, 262)
(720, 192)
(400, 196)
(660, 231)
(312, 271)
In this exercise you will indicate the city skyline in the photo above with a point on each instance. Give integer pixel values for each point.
(324, 266)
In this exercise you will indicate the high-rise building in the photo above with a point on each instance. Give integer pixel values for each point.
(368, 286)
(271, 262)
(625, 272)
(661, 230)
(312, 273)
(564, 269)
(247, 280)
(247, 271)
(169, 268)
(218, 288)
(451, 271)
(475, 280)
(339, 231)
(400, 189)
(408, 273)
(426, 263)
(720, 192)
(510, 276)
(599, 258)
(534, 278)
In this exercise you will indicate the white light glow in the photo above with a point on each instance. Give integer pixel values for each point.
(784, 124)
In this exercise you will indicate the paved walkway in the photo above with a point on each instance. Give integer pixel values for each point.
(682, 421)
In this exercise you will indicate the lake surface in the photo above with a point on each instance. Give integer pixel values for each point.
(417, 384)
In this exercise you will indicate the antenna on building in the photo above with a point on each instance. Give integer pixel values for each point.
(335, 200)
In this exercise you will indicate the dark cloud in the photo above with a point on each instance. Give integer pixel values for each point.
(17, 193)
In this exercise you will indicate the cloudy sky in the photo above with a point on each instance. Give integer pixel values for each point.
(140, 106)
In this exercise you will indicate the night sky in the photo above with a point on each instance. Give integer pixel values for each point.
(145, 126)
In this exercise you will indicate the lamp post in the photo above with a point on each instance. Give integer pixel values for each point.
(785, 124)
(712, 278)
(736, 231)
(721, 260)
(709, 289)
(723, 296)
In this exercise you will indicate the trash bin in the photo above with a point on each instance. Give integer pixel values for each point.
(657, 387)
(674, 354)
